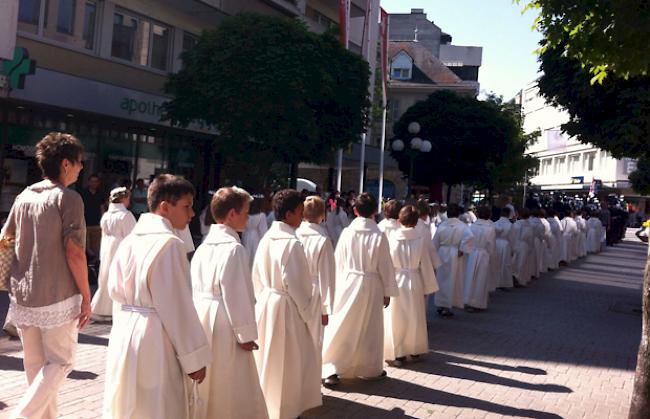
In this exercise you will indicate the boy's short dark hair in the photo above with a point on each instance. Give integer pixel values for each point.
(423, 207)
(366, 205)
(226, 199)
(506, 212)
(284, 201)
(168, 188)
(53, 149)
(484, 212)
(454, 210)
(392, 208)
(409, 216)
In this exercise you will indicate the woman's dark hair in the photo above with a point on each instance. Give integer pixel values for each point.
(423, 207)
(53, 149)
(366, 205)
(392, 208)
(408, 216)
(506, 212)
(284, 201)
(168, 188)
(256, 206)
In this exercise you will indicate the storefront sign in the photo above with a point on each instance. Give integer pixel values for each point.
(17, 68)
(76, 93)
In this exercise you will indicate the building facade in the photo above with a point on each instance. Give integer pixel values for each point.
(567, 165)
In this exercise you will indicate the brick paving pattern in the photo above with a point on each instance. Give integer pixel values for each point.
(564, 347)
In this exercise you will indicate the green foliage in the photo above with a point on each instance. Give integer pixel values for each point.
(614, 115)
(604, 36)
(470, 139)
(268, 84)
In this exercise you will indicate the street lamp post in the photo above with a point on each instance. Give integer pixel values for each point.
(416, 146)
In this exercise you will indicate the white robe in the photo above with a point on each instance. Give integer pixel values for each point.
(224, 300)
(354, 340)
(556, 232)
(451, 237)
(539, 237)
(116, 224)
(549, 244)
(287, 361)
(405, 319)
(523, 252)
(581, 246)
(335, 223)
(569, 238)
(425, 231)
(389, 226)
(256, 227)
(322, 268)
(594, 234)
(505, 242)
(478, 269)
(157, 338)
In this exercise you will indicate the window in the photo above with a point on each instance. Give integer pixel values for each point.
(546, 166)
(401, 66)
(574, 163)
(90, 17)
(589, 160)
(140, 41)
(189, 40)
(29, 12)
(65, 16)
(394, 109)
(559, 165)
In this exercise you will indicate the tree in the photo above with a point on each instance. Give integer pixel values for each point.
(605, 36)
(640, 178)
(271, 87)
(585, 41)
(469, 138)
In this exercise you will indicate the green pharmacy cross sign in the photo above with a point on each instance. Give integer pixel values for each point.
(16, 69)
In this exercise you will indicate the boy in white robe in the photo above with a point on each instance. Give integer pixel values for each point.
(405, 320)
(594, 232)
(320, 257)
(524, 250)
(569, 238)
(423, 226)
(453, 240)
(505, 242)
(157, 339)
(116, 224)
(224, 301)
(287, 361)
(479, 262)
(354, 340)
(556, 232)
(390, 224)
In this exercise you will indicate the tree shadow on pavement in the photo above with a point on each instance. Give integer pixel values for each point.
(12, 363)
(334, 407)
(394, 388)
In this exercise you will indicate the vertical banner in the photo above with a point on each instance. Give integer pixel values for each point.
(383, 28)
(344, 21)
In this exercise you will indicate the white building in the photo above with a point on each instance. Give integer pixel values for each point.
(565, 163)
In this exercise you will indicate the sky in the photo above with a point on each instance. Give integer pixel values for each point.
(509, 43)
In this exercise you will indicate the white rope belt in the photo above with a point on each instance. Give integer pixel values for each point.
(369, 275)
(138, 309)
(276, 291)
(207, 296)
(406, 271)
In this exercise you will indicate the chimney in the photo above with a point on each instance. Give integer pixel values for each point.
(417, 11)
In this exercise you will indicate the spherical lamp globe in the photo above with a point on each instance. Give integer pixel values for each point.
(416, 143)
(398, 145)
(426, 146)
(414, 128)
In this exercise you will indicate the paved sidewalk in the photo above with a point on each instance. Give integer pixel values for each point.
(563, 347)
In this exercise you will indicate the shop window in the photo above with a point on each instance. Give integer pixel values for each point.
(29, 12)
(140, 41)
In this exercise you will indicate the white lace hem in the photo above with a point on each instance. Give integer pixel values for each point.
(47, 317)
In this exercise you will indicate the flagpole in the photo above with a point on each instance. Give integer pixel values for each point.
(344, 13)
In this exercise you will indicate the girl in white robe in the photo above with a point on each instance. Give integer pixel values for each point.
(256, 227)
(452, 241)
(157, 338)
(287, 361)
(504, 245)
(116, 224)
(405, 320)
(569, 251)
(594, 233)
(336, 221)
(523, 250)
(224, 300)
(478, 267)
(582, 235)
(320, 257)
(556, 232)
(354, 340)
